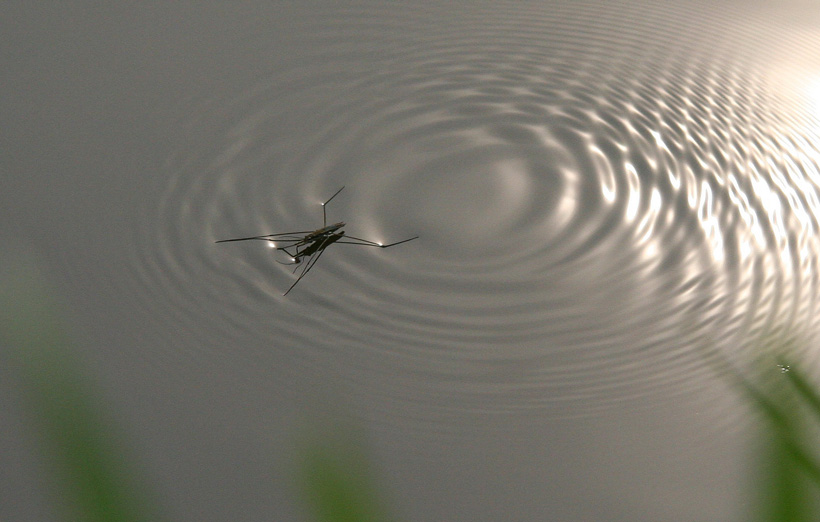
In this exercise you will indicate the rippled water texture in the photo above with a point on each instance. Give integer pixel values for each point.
(600, 192)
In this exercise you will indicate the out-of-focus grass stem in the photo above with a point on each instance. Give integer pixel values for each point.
(76, 437)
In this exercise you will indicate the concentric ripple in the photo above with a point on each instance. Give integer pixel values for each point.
(599, 193)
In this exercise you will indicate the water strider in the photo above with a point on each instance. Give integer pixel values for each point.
(310, 245)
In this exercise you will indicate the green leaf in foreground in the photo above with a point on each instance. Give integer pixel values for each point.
(337, 483)
(786, 471)
(96, 483)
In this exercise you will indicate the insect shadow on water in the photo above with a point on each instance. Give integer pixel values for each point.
(308, 246)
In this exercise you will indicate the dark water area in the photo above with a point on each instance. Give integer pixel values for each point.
(605, 194)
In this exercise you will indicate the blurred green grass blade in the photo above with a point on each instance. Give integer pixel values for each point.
(783, 495)
(803, 387)
(784, 462)
(811, 398)
(766, 406)
(337, 483)
(786, 430)
(95, 480)
(806, 461)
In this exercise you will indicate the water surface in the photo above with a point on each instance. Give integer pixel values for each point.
(602, 193)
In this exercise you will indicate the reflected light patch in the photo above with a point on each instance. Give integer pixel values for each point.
(634, 197)
(812, 92)
(605, 174)
(806, 86)
(568, 203)
(745, 249)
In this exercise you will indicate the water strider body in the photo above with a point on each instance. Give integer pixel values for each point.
(310, 245)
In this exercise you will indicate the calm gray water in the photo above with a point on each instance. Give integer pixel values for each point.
(603, 192)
